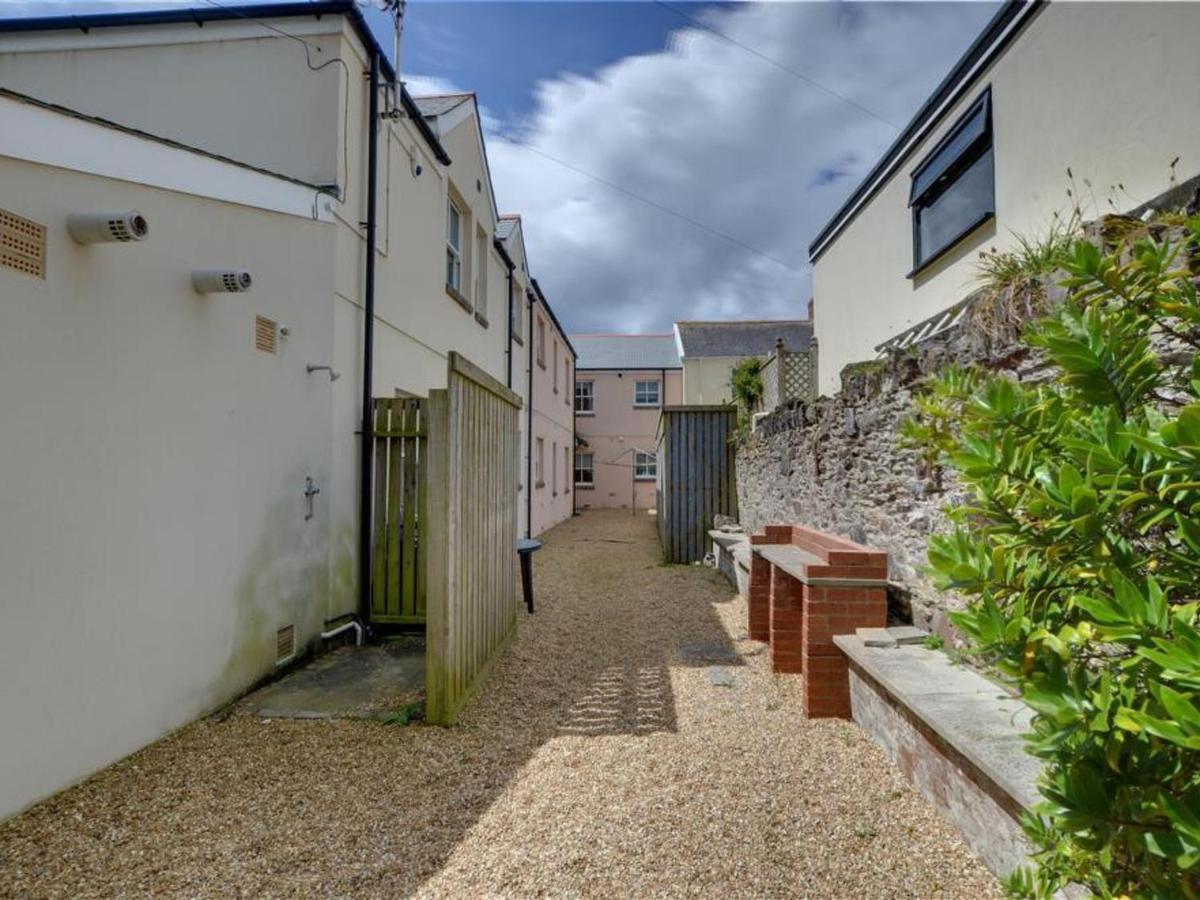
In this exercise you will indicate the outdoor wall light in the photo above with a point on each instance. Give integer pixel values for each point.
(333, 376)
(221, 281)
(108, 227)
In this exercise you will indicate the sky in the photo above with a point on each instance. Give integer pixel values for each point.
(672, 160)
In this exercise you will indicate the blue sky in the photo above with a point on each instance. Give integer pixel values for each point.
(549, 40)
(668, 168)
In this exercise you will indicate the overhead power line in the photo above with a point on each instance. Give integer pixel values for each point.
(777, 64)
(695, 223)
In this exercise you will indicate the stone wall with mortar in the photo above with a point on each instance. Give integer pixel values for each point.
(836, 465)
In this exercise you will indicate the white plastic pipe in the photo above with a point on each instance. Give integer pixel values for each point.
(345, 627)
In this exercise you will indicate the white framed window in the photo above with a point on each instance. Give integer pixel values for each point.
(556, 367)
(541, 342)
(646, 393)
(566, 379)
(566, 470)
(454, 229)
(645, 466)
(585, 398)
(539, 464)
(554, 468)
(517, 312)
(481, 275)
(584, 473)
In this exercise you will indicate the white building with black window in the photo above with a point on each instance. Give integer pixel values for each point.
(1093, 98)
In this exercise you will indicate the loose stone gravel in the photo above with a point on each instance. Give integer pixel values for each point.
(599, 759)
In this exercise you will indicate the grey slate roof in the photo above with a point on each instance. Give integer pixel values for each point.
(505, 227)
(626, 351)
(431, 107)
(742, 338)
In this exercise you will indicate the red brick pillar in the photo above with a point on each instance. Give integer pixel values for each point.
(787, 622)
(848, 592)
(759, 602)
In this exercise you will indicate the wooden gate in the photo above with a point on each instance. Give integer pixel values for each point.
(473, 463)
(696, 477)
(401, 509)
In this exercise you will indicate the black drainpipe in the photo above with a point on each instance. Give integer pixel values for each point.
(366, 445)
(508, 353)
(529, 431)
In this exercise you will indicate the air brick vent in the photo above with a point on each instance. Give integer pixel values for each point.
(22, 245)
(266, 335)
(285, 644)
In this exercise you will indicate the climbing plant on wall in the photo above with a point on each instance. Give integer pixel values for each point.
(1079, 547)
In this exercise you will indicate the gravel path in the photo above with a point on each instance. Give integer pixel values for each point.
(600, 759)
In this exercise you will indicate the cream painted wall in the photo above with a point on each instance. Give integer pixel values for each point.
(153, 536)
(1104, 88)
(706, 379)
(233, 88)
(618, 428)
(553, 424)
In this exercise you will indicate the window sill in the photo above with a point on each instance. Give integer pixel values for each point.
(645, 478)
(459, 299)
(481, 319)
(967, 232)
(647, 406)
(541, 365)
(584, 487)
(539, 484)
(580, 414)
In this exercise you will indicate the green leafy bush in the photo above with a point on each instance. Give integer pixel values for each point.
(1079, 547)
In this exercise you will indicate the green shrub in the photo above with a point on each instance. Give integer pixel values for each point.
(1079, 547)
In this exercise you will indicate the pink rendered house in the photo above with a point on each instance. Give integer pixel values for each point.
(622, 383)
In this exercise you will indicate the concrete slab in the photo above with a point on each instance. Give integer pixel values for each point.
(351, 682)
(975, 716)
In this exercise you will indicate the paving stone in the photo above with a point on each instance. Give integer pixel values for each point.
(720, 676)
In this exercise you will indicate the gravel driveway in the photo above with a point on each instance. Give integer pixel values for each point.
(607, 755)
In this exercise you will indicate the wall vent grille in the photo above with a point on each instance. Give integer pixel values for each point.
(22, 245)
(285, 644)
(266, 335)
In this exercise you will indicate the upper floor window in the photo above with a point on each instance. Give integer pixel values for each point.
(954, 188)
(566, 378)
(454, 230)
(566, 470)
(517, 311)
(556, 367)
(541, 342)
(481, 275)
(539, 464)
(646, 393)
(584, 469)
(585, 398)
(645, 466)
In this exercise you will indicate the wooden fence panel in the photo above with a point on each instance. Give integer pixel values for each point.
(398, 592)
(471, 562)
(696, 462)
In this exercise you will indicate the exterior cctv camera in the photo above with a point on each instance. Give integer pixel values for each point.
(221, 281)
(108, 227)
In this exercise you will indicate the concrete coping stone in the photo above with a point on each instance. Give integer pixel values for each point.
(972, 715)
(729, 538)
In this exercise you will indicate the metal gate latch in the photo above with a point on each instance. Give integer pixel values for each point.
(310, 491)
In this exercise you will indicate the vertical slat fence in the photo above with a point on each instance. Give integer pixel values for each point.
(471, 542)
(696, 464)
(398, 592)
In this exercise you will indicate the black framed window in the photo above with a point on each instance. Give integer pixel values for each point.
(954, 188)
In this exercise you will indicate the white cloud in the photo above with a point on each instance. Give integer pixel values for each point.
(723, 138)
